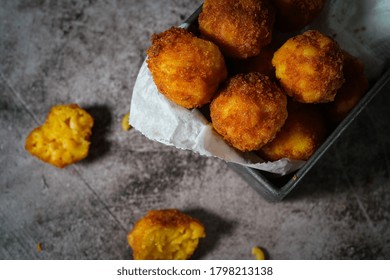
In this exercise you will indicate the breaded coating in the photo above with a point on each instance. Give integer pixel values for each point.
(349, 95)
(165, 235)
(186, 69)
(296, 14)
(310, 67)
(240, 28)
(64, 137)
(301, 135)
(248, 111)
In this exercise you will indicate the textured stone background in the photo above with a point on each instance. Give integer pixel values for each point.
(89, 52)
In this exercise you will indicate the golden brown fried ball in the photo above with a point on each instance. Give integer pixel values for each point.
(165, 235)
(354, 88)
(64, 137)
(186, 69)
(310, 67)
(296, 14)
(248, 111)
(240, 28)
(302, 133)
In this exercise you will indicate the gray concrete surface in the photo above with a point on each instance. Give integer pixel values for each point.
(89, 52)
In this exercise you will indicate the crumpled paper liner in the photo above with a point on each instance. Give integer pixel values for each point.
(360, 27)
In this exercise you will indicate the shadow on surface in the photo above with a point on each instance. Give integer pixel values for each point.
(215, 227)
(102, 122)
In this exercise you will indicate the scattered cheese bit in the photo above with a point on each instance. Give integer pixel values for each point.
(39, 247)
(125, 122)
(258, 253)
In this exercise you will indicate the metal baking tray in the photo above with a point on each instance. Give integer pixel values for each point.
(275, 188)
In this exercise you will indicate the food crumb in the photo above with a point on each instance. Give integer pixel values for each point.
(64, 137)
(125, 122)
(258, 253)
(39, 247)
(165, 234)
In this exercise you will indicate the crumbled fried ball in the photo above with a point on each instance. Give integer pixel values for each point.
(349, 95)
(240, 28)
(186, 69)
(310, 67)
(64, 137)
(301, 135)
(296, 14)
(248, 111)
(165, 235)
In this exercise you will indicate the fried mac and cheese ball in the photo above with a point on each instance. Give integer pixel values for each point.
(64, 137)
(240, 28)
(301, 135)
(248, 111)
(349, 95)
(310, 67)
(165, 235)
(186, 69)
(296, 14)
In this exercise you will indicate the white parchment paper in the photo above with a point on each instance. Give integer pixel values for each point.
(360, 27)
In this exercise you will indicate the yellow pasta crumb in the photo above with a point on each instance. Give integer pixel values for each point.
(258, 253)
(125, 122)
(39, 247)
